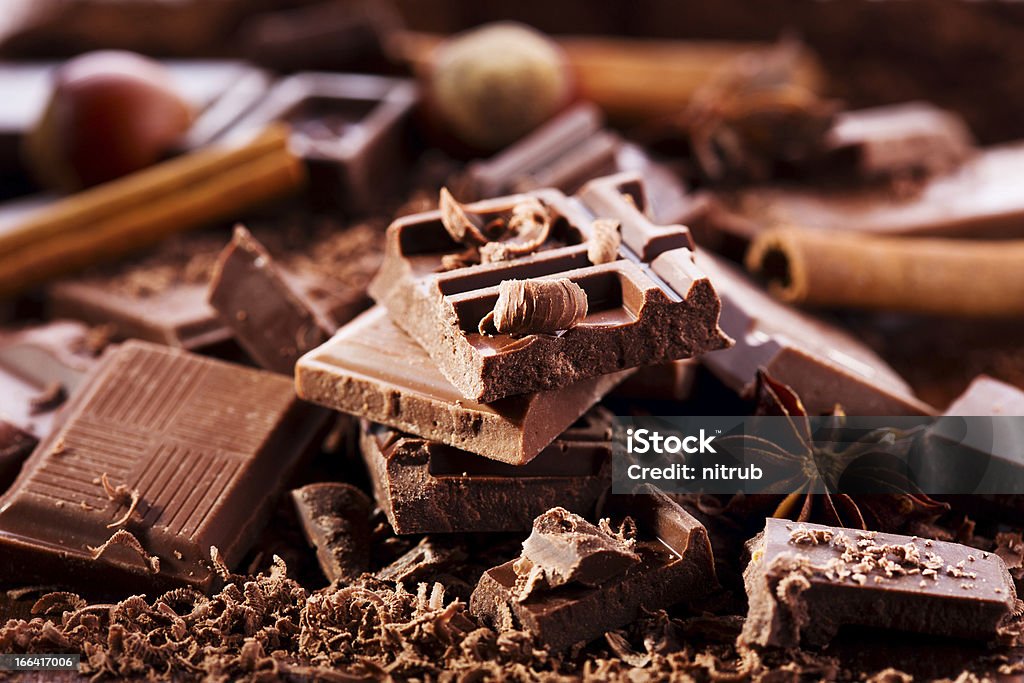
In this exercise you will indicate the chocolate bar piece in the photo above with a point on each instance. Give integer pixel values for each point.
(823, 364)
(323, 36)
(162, 456)
(978, 199)
(900, 139)
(428, 487)
(805, 581)
(668, 381)
(271, 320)
(987, 396)
(374, 370)
(564, 153)
(649, 305)
(335, 519)
(349, 128)
(160, 298)
(40, 367)
(163, 297)
(564, 548)
(978, 456)
(675, 565)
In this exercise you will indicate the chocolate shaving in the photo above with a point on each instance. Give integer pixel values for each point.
(128, 540)
(536, 307)
(604, 242)
(526, 231)
(49, 398)
(458, 222)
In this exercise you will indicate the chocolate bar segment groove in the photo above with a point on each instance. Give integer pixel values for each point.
(178, 452)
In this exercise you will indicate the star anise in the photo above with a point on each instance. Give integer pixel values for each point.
(754, 116)
(858, 484)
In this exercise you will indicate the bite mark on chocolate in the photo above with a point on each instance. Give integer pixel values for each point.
(536, 307)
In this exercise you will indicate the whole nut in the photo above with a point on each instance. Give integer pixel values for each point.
(110, 113)
(492, 85)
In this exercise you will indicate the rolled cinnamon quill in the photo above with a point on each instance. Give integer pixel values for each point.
(141, 209)
(634, 80)
(932, 276)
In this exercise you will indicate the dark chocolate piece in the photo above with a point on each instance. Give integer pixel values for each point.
(323, 36)
(39, 368)
(675, 566)
(162, 456)
(374, 370)
(668, 381)
(979, 457)
(163, 297)
(335, 519)
(564, 153)
(987, 396)
(427, 487)
(349, 128)
(915, 138)
(651, 305)
(823, 364)
(426, 558)
(270, 319)
(564, 548)
(805, 581)
(979, 199)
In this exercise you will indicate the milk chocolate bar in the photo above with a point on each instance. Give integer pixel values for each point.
(349, 128)
(564, 153)
(822, 363)
(374, 370)
(805, 581)
(978, 199)
(273, 321)
(40, 367)
(900, 139)
(162, 456)
(650, 305)
(428, 487)
(335, 519)
(675, 565)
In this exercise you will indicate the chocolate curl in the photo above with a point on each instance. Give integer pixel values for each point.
(536, 307)
(932, 276)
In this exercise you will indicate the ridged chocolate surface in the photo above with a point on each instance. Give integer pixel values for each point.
(200, 444)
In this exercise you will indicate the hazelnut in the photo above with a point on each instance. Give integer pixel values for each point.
(109, 114)
(492, 85)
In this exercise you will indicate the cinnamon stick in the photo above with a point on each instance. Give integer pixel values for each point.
(918, 275)
(141, 209)
(630, 79)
